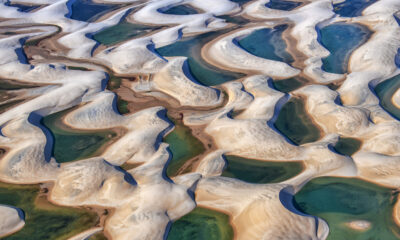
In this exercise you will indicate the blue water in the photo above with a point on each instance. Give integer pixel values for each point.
(202, 71)
(340, 200)
(267, 43)
(351, 8)
(89, 11)
(341, 40)
(22, 7)
(282, 5)
(385, 91)
(178, 10)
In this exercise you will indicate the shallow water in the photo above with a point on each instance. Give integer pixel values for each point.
(121, 32)
(340, 200)
(72, 144)
(183, 146)
(351, 8)
(202, 72)
(22, 7)
(201, 224)
(257, 171)
(385, 91)
(44, 220)
(282, 5)
(97, 236)
(294, 122)
(179, 10)
(341, 39)
(347, 146)
(89, 11)
(267, 43)
(290, 84)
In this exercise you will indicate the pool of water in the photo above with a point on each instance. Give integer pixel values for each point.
(121, 32)
(202, 224)
(282, 5)
(203, 72)
(97, 236)
(290, 84)
(183, 146)
(341, 200)
(347, 146)
(256, 171)
(89, 11)
(72, 144)
(22, 7)
(351, 8)
(178, 10)
(385, 91)
(267, 43)
(341, 39)
(44, 220)
(294, 122)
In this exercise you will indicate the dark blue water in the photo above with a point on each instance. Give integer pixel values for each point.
(282, 5)
(178, 10)
(267, 43)
(89, 11)
(341, 40)
(22, 7)
(202, 71)
(351, 8)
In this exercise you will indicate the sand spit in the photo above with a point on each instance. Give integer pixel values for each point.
(234, 118)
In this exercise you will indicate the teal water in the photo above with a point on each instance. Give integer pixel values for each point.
(294, 122)
(351, 8)
(256, 171)
(201, 224)
(290, 84)
(121, 32)
(203, 72)
(179, 10)
(340, 200)
(347, 146)
(385, 91)
(89, 11)
(72, 144)
(267, 43)
(44, 220)
(183, 146)
(341, 39)
(282, 5)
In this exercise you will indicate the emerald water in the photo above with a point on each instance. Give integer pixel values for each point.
(72, 144)
(282, 5)
(183, 146)
(289, 84)
(257, 171)
(351, 8)
(202, 224)
(121, 32)
(267, 43)
(347, 146)
(294, 122)
(340, 200)
(341, 39)
(385, 91)
(88, 10)
(44, 220)
(203, 72)
(178, 10)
